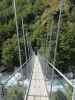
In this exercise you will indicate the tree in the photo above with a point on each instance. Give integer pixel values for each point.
(37, 22)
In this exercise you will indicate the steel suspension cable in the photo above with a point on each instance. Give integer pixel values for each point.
(55, 51)
(25, 63)
(17, 30)
(30, 50)
(58, 30)
(18, 39)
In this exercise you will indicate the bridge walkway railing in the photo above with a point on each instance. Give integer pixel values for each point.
(59, 87)
(16, 86)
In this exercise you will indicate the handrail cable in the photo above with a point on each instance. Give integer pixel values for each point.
(60, 73)
(18, 69)
(26, 97)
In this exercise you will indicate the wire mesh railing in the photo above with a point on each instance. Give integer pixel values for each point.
(16, 86)
(58, 86)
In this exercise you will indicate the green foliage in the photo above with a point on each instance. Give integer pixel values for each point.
(63, 95)
(15, 93)
(66, 48)
(59, 95)
(37, 21)
(8, 50)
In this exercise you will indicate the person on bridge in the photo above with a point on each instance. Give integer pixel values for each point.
(35, 45)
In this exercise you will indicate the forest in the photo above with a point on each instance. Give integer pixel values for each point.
(38, 16)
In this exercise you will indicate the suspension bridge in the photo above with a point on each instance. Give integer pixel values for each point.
(37, 78)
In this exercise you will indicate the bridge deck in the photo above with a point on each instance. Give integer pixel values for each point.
(38, 89)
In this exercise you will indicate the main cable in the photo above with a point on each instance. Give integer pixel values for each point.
(58, 30)
(17, 30)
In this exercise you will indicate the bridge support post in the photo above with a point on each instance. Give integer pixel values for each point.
(73, 96)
